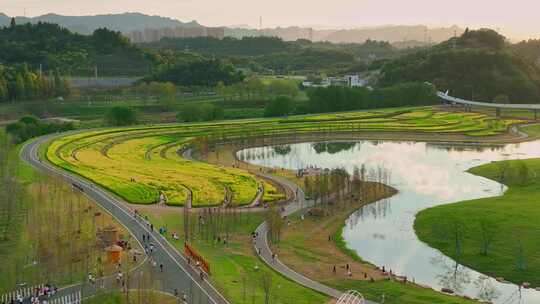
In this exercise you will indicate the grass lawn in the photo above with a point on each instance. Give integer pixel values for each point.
(533, 131)
(236, 269)
(511, 221)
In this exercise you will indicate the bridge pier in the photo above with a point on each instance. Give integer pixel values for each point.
(498, 112)
(535, 114)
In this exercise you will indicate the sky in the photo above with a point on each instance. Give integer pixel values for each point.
(517, 19)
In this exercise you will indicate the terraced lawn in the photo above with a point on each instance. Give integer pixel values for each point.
(141, 163)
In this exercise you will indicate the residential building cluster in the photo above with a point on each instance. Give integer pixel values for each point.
(155, 34)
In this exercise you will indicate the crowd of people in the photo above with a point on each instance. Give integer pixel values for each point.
(39, 296)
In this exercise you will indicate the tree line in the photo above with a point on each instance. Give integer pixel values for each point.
(29, 126)
(335, 99)
(20, 83)
(200, 72)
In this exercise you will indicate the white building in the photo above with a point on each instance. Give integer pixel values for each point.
(353, 81)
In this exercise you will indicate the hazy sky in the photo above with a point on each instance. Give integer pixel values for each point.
(519, 18)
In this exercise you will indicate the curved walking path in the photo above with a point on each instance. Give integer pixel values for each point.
(178, 275)
(265, 252)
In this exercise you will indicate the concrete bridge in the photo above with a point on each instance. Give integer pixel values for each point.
(535, 108)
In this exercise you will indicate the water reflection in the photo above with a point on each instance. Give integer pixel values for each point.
(426, 175)
(333, 147)
(453, 276)
(486, 289)
(378, 209)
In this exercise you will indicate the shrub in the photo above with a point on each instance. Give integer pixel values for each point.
(280, 106)
(121, 116)
(30, 126)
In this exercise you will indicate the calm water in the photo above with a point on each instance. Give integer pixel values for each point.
(426, 175)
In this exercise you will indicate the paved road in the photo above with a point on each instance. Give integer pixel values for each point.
(261, 243)
(490, 105)
(177, 273)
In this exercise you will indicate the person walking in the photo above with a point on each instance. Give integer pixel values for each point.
(161, 267)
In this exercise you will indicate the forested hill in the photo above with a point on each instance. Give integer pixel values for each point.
(272, 53)
(479, 64)
(52, 47)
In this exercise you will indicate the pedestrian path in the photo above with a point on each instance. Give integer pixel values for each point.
(74, 298)
(265, 253)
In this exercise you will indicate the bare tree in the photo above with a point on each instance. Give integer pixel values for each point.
(266, 286)
(488, 230)
(457, 231)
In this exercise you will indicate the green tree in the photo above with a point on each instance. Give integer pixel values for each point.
(210, 112)
(20, 87)
(189, 113)
(167, 94)
(254, 87)
(121, 116)
(279, 106)
(281, 87)
(488, 231)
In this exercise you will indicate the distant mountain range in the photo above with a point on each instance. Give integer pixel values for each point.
(128, 22)
(395, 34)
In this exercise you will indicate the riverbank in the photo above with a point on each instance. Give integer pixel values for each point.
(312, 246)
(500, 234)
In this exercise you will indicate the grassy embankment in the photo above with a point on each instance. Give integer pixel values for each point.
(137, 163)
(509, 221)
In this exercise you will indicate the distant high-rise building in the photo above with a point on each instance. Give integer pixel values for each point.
(151, 35)
(179, 32)
(215, 32)
(194, 32)
(137, 37)
(169, 32)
